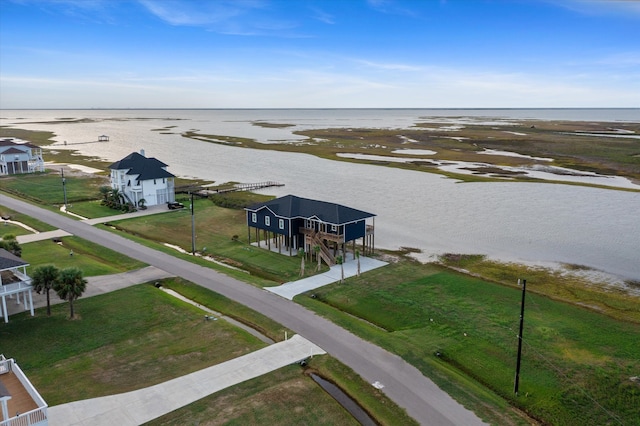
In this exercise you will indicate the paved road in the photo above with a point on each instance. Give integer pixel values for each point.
(403, 383)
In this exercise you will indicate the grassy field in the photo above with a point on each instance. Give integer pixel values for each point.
(219, 303)
(221, 233)
(141, 342)
(91, 258)
(577, 364)
(27, 220)
(46, 188)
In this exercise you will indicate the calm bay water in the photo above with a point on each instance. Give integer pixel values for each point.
(530, 222)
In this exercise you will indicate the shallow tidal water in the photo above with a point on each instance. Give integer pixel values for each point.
(532, 222)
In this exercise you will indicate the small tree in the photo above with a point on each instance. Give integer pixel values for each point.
(340, 261)
(142, 203)
(301, 254)
(10, 244)
(44, 279)
(70, 285)
(316, 248)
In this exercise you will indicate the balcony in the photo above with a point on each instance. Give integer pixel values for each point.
(20, 402)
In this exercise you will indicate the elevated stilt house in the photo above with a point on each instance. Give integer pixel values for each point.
(292, 223)
(14, 282)
(137, 177)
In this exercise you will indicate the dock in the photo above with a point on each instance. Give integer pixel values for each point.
(204, 192)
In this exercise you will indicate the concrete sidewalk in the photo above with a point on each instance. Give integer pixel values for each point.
(291, 289)
(140, 406)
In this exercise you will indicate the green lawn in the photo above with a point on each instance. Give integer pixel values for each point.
(125, 340)
(91, 258)
(92, 209)
(571, 357)
(47, 187)
(27, 220)
(216, 228)
(146, 337)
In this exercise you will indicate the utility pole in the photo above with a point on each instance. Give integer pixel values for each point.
(64, 189)
(517, 379)
(193, 228)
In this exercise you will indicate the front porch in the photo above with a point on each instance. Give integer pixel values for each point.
(14, 283)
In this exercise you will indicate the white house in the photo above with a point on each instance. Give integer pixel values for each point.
(138, 177)
(17, 156)
(14, 282)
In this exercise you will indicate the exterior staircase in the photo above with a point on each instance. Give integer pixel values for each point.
(325, 254)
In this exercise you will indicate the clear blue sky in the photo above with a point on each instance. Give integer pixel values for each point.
(319, 53)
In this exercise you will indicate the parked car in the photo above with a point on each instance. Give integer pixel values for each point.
(175, 205)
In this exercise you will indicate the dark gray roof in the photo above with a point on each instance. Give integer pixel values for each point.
(10, 261)
(291, 206)
(138, 164)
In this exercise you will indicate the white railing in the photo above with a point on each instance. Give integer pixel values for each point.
(37, 417)
(5, 365)
(27, 384)
(15, 287)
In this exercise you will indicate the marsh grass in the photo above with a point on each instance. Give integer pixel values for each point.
(559, 284)
(561, 141)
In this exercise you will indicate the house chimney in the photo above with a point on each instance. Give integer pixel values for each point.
(142, 152)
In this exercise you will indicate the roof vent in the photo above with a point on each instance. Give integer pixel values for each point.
(142, 152)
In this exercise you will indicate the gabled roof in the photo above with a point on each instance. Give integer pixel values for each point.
(146, 168)
(291, 206)
(12, 142)
(12, 150)
(9, 260)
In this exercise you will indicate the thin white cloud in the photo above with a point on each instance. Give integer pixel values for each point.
(628, 8)
(229, 17)
(388, 66)
(391, 7)
(323, 16)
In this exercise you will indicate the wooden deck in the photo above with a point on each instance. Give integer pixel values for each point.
(20, 402)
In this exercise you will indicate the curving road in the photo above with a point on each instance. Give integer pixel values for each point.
(402, 382)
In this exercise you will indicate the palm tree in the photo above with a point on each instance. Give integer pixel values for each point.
(105, 191)
(44, 279)
(301, 254)
(70, 285)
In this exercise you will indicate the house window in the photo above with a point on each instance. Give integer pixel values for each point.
(162, 180)
(254, 217)
(281, 223)
(267, 220)
(154, 181)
